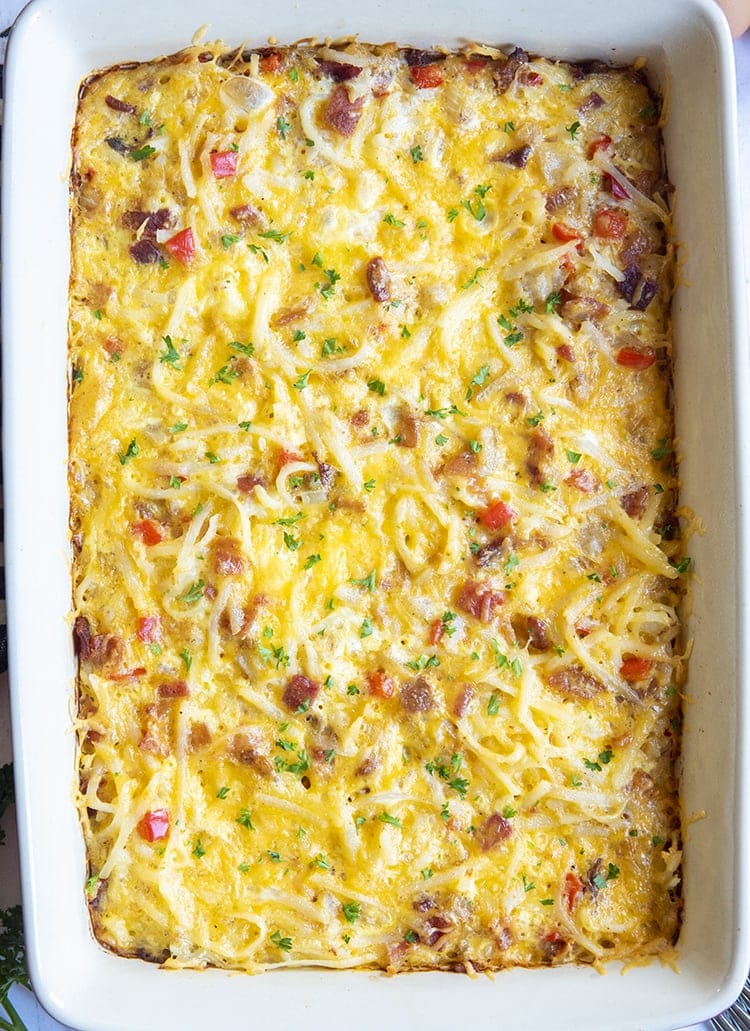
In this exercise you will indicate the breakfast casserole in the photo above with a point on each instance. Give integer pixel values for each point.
(376, 543)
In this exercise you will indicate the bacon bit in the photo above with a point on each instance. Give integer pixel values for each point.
(503, 936)
(416, 696)
(565, 351)
(367, 767)
(145, 252)
(462, 701)
(149, 531)
(479, 600)
(378, 279)
(583, 480)
(610, 223)
(592, 101)
(634, 503)
(631, 278)
(396, 952)
(515, 397)
(147, 223)
(156, 737)
(247, 214)
(563, 232)
(426, 76)
(248, 482)
(518, 157)
(173, 689)
(337, 70)
(407, 428)
(437, 629)
(224, 163)
(649, 290)
(154, 825)
(199, 737)
(642, 783)
(532, 630)
(635, 358)
(558, 198)
(540, 449)
(341, 113)
(490, 552)
(475, 64)
(326, 472)
(572, 890)
(592, 874)
(99, 649)
(228, 559)
(599, 143)
(582, 309)
(380, 684)
(618, 192)
(113, 347)
(529, 78)
(567, 267)
(119, 105)
(493, 831)
(182, 246)
(299, 691)
(205, 56)
(128, 674)
(287, 315)
(584, 629)
(635, 668)
(246, 750)
(149, 629)
(496, 515)
(504, 74)
(552, 945)
(575, 682)
(634, 245)
(423, 903)
(360, 418)
(82, 637)
(436, 928)
(271, 62)
(461, 464)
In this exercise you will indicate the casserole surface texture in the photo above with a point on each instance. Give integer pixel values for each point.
(373, 510)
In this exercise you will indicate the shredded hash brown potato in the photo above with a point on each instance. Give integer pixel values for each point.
(376, 561)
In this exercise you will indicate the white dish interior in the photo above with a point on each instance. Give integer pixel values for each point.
(55, 44)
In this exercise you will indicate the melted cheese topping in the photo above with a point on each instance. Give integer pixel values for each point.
(373, 510)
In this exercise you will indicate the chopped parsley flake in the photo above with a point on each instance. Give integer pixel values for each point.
(276, 235)
(387, 818)
(368, 581)
(351, 911)
(245, 819)
(285, 944)
(572, 129)
(194, 593)
(132, 451)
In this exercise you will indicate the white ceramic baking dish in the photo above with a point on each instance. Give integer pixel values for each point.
(54, 45)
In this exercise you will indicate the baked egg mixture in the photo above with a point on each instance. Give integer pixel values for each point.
(376, 548)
